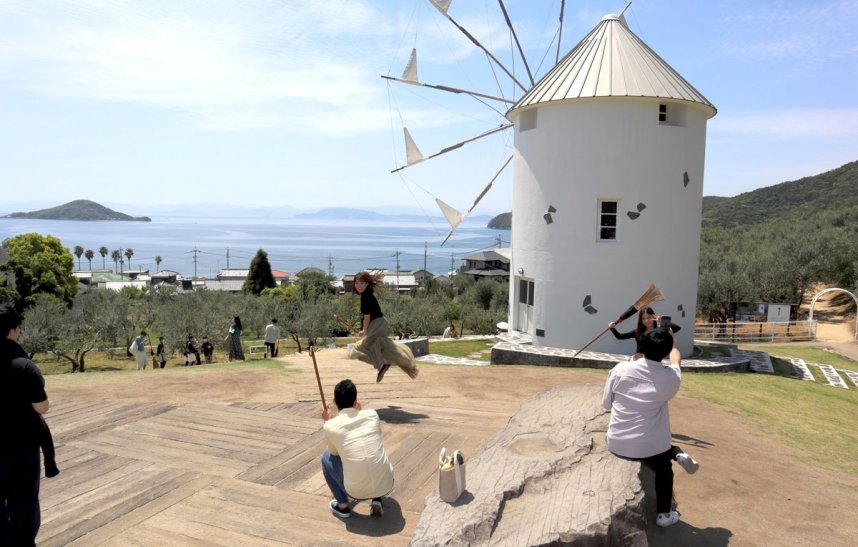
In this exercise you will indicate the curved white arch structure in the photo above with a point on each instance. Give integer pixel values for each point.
(820, 293)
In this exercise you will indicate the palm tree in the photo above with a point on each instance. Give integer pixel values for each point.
(158, 261)
(89, 254)
(103, 252)
(78, 251)
(129, 253)
(116, 256)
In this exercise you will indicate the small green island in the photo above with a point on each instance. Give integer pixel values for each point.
(80, 209)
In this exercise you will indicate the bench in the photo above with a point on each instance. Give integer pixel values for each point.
(258, 351)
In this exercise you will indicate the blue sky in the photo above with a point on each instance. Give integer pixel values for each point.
(280, 103)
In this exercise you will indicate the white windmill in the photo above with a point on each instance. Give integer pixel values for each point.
(607, 188)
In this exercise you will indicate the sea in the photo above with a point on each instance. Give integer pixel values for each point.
(197, 246)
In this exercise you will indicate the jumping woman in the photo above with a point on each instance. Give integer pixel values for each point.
(375, 347)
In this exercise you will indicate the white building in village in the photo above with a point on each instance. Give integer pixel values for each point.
(607, 192)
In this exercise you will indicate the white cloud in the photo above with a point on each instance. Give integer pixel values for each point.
(795, 123)
(811, 30)
(230, 66)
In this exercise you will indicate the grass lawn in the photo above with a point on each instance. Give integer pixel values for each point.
(808, 353)
(479, 349)
(818, 418)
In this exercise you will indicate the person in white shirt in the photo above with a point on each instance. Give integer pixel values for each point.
(637, 394)
(272, 335)
(354, 465)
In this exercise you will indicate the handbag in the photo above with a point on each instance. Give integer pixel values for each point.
(451, 475)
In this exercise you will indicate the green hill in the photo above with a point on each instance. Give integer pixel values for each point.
(832, 191)
(81, 209)
(502, 221)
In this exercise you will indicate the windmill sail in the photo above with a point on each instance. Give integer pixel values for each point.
(412, 153)
(453, 216)
(410, 72)
(442, 5)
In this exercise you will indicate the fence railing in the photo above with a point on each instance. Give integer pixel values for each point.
(791, 331)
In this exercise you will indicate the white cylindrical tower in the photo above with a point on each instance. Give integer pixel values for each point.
(607, 192)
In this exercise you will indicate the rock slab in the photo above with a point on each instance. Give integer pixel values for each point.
(546, 479)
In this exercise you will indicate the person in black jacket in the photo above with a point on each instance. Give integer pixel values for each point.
(22, 402)
(647, 319)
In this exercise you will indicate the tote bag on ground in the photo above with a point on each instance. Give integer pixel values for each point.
(451, 475)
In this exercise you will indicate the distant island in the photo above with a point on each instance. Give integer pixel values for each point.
(502, 221)
(80, 209)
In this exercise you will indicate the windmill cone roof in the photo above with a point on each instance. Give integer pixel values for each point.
(611, 61)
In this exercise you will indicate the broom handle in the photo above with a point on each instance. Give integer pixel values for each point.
(343, 323)
(587, 345)
(318, 380)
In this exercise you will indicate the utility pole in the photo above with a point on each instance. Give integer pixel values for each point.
(425, 251)
(397, 270)
(499, 241)
(195, 251)
(330, 265)
(227, 258)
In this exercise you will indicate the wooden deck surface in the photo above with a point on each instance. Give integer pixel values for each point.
(248, 473)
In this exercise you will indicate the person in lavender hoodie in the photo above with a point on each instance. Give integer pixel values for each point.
(637, 394)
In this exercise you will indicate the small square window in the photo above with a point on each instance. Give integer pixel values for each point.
(662, 113)
(608, 220)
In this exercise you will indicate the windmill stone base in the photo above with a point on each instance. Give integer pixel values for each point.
(547, 478)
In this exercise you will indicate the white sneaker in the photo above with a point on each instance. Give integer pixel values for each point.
(667, 519)
(687, 462)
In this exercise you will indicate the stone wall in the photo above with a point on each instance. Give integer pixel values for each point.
(419, 346)
(547, 478)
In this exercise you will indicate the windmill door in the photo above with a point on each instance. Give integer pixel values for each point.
(524, 306)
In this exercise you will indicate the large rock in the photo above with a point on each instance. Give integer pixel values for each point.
(546, 479)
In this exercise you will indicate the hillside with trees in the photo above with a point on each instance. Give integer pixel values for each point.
(81, 209)
(773, 244)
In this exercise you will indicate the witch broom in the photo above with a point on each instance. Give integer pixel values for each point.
(650, 296)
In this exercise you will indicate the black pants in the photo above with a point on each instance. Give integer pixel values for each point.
(20, 515)
(662, 466)
(270, 348)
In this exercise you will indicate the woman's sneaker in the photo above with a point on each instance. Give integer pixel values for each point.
(381, 372)
(342, 513)
(667, 519)
(375, 507)
(687, 462)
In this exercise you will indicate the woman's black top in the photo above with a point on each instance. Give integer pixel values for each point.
(369, 305)
(623, 335)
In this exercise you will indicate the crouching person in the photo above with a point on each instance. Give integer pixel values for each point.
(354, 465)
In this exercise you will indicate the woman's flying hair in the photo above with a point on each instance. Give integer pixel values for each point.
(372, 280)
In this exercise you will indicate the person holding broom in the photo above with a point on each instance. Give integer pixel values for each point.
(375, 347)
(637, 394)
(355, 465)
(647, 319)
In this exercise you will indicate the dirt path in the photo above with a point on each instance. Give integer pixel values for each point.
(836, 323)
(752, 487)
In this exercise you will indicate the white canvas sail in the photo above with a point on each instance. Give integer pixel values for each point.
(412, 153)
(410, 72)
(442, 5)
(453, 216)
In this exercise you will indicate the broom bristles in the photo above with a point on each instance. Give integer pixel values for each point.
(650, 296)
